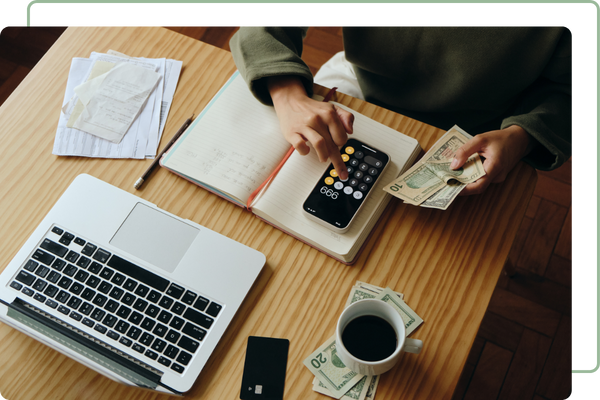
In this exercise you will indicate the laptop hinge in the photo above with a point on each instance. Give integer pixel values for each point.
(95, 350)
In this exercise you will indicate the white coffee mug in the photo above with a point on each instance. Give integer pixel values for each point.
(383, 310)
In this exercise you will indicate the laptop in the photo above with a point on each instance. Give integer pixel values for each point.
(127, 289)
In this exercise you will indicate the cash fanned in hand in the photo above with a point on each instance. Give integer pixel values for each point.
(430, 182)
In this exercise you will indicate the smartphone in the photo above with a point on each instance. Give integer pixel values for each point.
(334, 203)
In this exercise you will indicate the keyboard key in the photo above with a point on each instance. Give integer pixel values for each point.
(198, 318)
(43, 257)
(118, 279)
(105, 287)
(142, 290)
(189, 297)
(159, 345)
(51, 303)
(111, 306)
(95, 267)
(101, 255)
(173, 336)
(146, 339)
(89, 249)
(93, 281)
(160, 330)
(148, 324)
(140, 304)
(177, 368)
(54, 248)
(98, 314)
(27, 291)
(59, 264)
(99, 300)
(76, 288)
(86, 308)
(177, 323)
(166, 302)
(88, 322)
(74, 302)
(124, 311)
(79, 241)
(134, 332)
(184, 358)
(63, 296)
(88, 294)
(194, 331)
(66, 238)
(128, 299)
(110, 320)
(139, 348)
(116, 293)
(171, 351)
(39, 297)
(188, 344)
(130, 284)
(113, 335)
(57, 230)
(16, 285)
(65, 282)
(175, 291)
(164, 316)
(178, 308)
(122, 326)
(152, 310)
(135, 318)
(70, 270)
(164, 361)
(107, 273)
(63, 310)
(81, 275)
(72, 256)
(154, 296)
(31, 265)
(201, 303)
(100, 328)
(53, 276)
(151, 354)
(75, 316)
(42, 271)
(83, 262)
(25, 277)
(40, 285)
(51, 291)
(126, 342)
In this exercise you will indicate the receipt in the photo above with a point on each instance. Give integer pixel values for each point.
(110, 109)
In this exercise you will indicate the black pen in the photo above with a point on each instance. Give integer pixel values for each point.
(146, 174)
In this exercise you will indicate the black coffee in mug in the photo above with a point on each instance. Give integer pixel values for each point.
(370, 338)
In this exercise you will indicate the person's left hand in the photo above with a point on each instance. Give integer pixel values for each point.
(501, 151)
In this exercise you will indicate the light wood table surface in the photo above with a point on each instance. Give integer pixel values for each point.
(445, 262)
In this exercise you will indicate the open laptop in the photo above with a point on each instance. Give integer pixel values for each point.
(127, 289)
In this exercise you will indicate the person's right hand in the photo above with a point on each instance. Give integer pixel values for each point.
(303, 119)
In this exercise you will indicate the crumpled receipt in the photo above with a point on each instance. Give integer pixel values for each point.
(113, 100)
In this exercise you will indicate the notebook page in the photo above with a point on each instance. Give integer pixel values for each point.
(233, 145)
(283, 201)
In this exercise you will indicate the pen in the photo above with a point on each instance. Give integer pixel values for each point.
(146, 174)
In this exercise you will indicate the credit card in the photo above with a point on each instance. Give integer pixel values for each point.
(264, 368)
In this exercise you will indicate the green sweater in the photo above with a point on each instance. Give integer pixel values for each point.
(481, 79)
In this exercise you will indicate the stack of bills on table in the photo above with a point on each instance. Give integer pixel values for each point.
(332, 377)
(430, 182)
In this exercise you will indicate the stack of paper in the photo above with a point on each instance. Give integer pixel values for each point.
(115, 106)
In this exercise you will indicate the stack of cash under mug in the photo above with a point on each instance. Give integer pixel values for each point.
(332, 377)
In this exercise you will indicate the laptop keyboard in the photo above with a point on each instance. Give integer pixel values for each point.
(161, 320)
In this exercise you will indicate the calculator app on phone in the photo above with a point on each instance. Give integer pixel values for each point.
(334, 202)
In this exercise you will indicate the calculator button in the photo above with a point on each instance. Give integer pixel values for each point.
(348, 190)
(363, 187)
(363, 167)
(329, 180)
(358, 174)
(333, 173)
(373, 171)
(368, 179)
(353, 182)
(345, 157)
(359, 154)
(338, 185)
(354, 162)
(349, 150)
(350, 170)
(357, 195)
(373, 161)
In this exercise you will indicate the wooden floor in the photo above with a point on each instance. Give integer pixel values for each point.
(523, 347)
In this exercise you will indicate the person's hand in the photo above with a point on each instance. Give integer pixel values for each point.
(303, 119)
(501, 150)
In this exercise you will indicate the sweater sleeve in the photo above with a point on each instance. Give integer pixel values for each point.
(544, 110)
(262, 52)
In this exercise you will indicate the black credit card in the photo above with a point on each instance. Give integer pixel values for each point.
(264, 368)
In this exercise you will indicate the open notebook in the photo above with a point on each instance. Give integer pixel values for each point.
(235, 145)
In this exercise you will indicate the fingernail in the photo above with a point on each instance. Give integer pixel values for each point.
(454, 164)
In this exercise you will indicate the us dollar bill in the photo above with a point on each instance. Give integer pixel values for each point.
(444, 197)
(362, 290)
(357, 392)
(432, 172)
(411, 320)
(325, 364)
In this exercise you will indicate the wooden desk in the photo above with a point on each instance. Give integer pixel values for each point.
(446, 262)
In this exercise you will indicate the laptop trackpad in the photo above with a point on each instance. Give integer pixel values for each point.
(154, 237)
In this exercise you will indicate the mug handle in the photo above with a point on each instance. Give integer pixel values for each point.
(413, 345)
